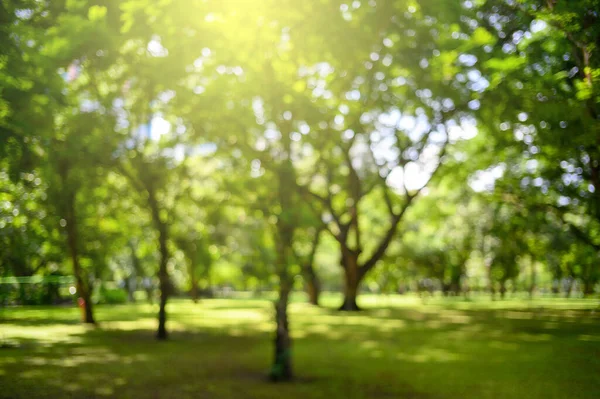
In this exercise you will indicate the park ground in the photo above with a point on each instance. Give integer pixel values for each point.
(398, 347)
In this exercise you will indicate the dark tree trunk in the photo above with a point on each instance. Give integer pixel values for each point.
(208, 292)
(82, 287)
(502, 289)
(130, 286)
(445, 289)
(313, 285)
(286, 221)
(282, 362)
(352, 278)
(163, 274)
(164, 286)
(194, 288)
(311, 280)
(150, 295)
(588, 288)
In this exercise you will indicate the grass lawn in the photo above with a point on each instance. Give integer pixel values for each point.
(399, 347)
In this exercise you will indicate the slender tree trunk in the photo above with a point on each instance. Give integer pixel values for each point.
(502, 289)
(131, 287)
(313, 285)
(209, 293)
(163, 274)
(164, 285)
(282, 362)
(286, 221)
(588, 281)
(194, 278)
(82, 287)
(533, 280)
(352, 278)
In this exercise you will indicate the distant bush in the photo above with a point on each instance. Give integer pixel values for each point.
(111, 295)
(29, 294)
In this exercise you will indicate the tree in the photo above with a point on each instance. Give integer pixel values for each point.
(307, 261)
(542, 104)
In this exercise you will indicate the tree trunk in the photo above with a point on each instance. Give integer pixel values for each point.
(194, 288)
(164, 285)
(533, 280)
(352, 278)
(82, 288)
(163, 274)
(502, 289)
(588, 287)
(130, 281)
(286, 221)
(282, 363)
(313, 285)
(569, 287)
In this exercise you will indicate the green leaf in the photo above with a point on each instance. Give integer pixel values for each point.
(96, 13)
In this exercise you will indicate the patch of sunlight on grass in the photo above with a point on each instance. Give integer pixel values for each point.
(48, 334)
(104, 391)
(72, 387)
(85, 355)
(376, 353)
(370, 344)
(353, 320)
(517, 315)
(32, 373)
(317, 328)
(589, 338)
(130, 325)
(370, 300)
(242, 315)
(429, 355)
(8, 360)
(435, 324)
(119, 381)
(455, 317)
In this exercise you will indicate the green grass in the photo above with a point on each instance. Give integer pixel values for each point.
(399, 347)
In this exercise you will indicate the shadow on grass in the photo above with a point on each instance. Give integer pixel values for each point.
(216, 351)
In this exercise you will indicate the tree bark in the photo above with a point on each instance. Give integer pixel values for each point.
(352, 279)
(194, 278)
(313, 285)
(502, 289)
(282, 362)
(82, 287)
(163, 279)
(588, 288)
(163, 274)
(286, 221)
